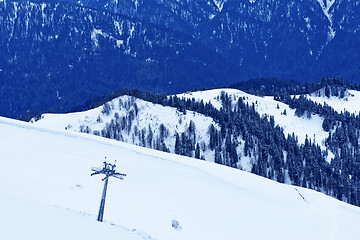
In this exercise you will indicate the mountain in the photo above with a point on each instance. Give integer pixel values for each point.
(59, 54)
(139, 122)
(301, 40)
(49, 193)
(290, 139)
(130, 120)
(56, 56)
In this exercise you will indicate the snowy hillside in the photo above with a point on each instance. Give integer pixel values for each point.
(142, 123)
(138, 122)
(350, 102)
(154, 115)
(46, 191)
(284, 116)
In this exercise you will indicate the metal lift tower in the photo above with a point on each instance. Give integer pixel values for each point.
(109, 170)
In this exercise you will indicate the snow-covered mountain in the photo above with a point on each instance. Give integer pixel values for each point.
(138, 122)
(287, 143)
(47, 193)
(152, 115)
(283, 115)
(53, 48)
(79, 53)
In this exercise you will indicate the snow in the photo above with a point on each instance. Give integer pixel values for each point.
(40, 221)
(46, 191)
(154, 115)
(118, 28)
(149, 114)
(94, 35)
(219, 4)
(43, 6)
(326, 6)
(301, 126)
(350, 103)
(119, 43)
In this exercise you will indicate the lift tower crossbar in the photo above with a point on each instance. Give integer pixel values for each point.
(109, 170)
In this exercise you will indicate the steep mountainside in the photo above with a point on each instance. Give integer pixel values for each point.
(89, 48)
(301, 40)
(183, 16)
(56, 56)
(269, 38)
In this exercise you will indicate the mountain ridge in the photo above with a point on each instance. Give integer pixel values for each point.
(173, 46)
(69, 62)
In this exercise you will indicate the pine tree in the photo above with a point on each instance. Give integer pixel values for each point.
(178, 145)
(197, 151)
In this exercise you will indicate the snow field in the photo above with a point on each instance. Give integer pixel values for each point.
(350, 103)
(50, 179)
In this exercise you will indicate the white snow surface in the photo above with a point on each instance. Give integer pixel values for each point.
(326, 8)
(46, 192)
(219, 4)
(350, 103)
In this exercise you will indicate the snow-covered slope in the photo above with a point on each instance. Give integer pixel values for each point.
(26, 219)
(154, 115)
(47, 193)
(284, 116)
(136, 118)
(350, 102)
(301, 126)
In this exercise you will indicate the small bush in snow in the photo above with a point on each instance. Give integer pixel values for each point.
(175, 224)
